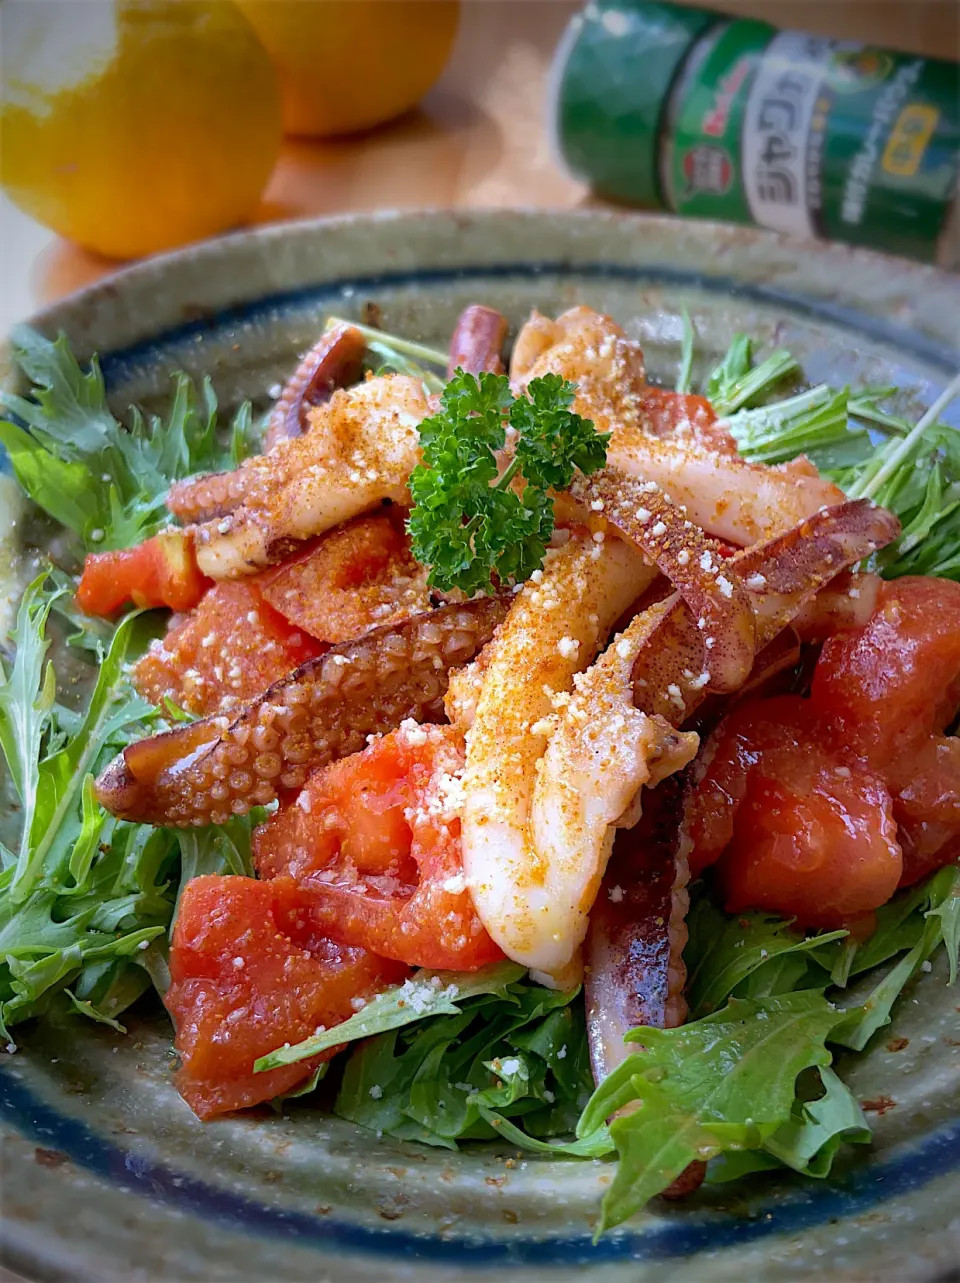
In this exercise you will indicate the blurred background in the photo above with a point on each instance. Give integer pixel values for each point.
(124, 150)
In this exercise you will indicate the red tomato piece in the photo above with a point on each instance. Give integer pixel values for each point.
(798, 828)
(249, 972)
(360, 576)
(682, 415)
(755, 727)
(226, 651)
(811, 844)
(373, 844)
(161, 571)
(927, 809)
(890, 685)
(889, 690)
(811, 806)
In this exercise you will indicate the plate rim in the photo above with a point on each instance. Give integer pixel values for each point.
(773, 247)
(915, 276)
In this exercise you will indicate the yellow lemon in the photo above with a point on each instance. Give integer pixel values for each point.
(345, 65)
(136, 125)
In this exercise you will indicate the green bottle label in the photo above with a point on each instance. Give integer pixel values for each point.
(817, 137)
(701, 170)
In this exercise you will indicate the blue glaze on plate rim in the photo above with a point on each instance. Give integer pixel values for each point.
(812, 1204)
(116, 364)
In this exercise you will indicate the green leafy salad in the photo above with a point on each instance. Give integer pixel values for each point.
(750, 1083)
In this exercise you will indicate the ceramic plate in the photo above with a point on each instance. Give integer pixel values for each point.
(108, 1176)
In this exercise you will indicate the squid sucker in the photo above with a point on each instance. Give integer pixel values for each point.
(204, 772)
(333, 362)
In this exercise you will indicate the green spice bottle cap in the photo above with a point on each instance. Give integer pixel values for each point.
(609, 96)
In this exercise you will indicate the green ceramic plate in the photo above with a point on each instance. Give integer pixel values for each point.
(108, 1176)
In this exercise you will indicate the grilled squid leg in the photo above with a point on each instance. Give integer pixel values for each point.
(359, 452)
(333, 362)
(478, 338)
(642, 514)
(672, 672)
(205, 498)
(634, 950)
(599, 756)
(553, 631)
(725, 495)
(635, 974)
(209, 770)
(696, 463)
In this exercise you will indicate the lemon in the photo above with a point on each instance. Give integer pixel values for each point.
(346, 65)
(137, 125)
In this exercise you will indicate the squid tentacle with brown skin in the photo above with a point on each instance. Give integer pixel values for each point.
(725, 495)
(332, 362)
(207, 771)
(634, 948)
(206, 497)
(642, 514)
(672, 672)
(613, 735)
(782, 582)
(363, 445)
(478, 339)
(634, 973)
(360, 450)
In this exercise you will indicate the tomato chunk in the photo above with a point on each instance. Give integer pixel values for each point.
(249, 972)
(247, 633)
(798, 828)
(161, 571)
(890, 685)
(374, 845)
(889, 690)
(811, 805)
(357, 577)
(680, 415)
(229, 649)
(927, 809)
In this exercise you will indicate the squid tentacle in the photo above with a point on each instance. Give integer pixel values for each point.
(642, 514)
(672, 669)
(209, 770)
(207, 497)
(478, 338)
(332, 362)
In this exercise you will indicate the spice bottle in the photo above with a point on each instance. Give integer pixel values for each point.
(707, 116)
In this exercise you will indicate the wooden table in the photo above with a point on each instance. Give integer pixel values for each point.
(478, 138)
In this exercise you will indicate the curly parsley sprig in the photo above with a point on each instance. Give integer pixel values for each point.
(468, 524)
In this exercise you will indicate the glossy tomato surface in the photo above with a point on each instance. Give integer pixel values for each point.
(251, 971)
(797, 827)
(228, 650)
(887, 687)
(374, 841)
(890, 691)
(161, 571)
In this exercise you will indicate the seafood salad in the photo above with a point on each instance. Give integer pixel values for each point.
(532, 752)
